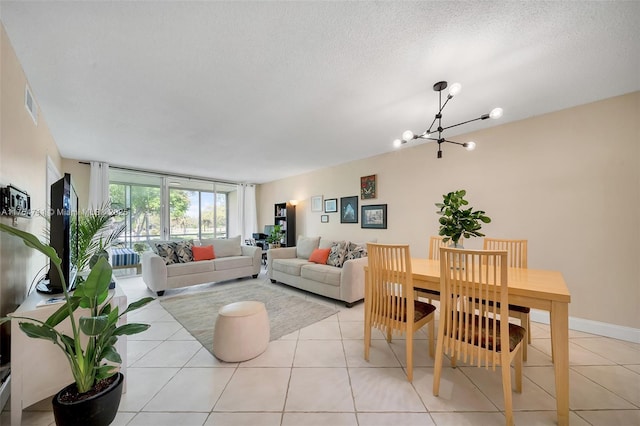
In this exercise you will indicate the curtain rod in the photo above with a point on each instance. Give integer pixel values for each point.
(170, 175)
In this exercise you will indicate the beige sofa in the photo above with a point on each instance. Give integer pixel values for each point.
(290, 265)
(233, 260)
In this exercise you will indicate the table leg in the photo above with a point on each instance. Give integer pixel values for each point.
(560, 350)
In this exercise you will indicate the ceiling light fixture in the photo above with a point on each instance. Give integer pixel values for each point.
(453, 90)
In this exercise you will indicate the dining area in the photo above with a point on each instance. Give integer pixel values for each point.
(460, 296)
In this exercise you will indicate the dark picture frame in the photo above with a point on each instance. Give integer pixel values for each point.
(368, 187)
(374, 216)
(324, 218)
(349, 209)
(331, 205)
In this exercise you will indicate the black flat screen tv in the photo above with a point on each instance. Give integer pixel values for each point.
(64, 211)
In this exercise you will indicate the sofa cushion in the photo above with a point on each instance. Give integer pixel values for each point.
(232, 262)
(289, 266)
(336, 254)
(178, 269)
(183, 251)
(167, 251)
(322, 273)
(224, 247)
(306, 246)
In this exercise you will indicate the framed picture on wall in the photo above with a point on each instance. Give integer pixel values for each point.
(324, 218)
(374, 216)
(368, 187)
(331, 205)
(349, 209)
(316, 203)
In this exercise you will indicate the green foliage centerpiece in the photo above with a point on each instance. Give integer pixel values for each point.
(98, 328)
(457, 222)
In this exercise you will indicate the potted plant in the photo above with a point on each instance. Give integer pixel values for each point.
(275, 237)
(458, 222)
(95, 233)
(94, 397)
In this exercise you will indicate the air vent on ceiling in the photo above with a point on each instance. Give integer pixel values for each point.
(30, 104)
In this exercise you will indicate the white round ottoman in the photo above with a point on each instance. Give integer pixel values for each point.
(241, 332)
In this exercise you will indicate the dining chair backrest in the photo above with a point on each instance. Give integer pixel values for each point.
(474, 318)
(390, 286)
(469, 278)
(435, 242)
(516, 250)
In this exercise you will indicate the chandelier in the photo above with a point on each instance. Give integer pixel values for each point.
(430, 133)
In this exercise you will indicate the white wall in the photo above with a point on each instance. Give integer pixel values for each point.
(24, 148)
(568, 181)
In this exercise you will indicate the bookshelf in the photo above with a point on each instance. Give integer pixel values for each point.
(285, 216)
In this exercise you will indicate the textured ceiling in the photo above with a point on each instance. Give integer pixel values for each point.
(257, 91)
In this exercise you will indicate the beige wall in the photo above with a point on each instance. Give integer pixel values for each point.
(568, 181)
(24, 148)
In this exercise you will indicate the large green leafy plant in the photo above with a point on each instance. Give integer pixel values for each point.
(457, 222)
(95, 233)
(98, 323)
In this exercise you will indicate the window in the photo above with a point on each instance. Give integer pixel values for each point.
(195, 208)
(198, 209)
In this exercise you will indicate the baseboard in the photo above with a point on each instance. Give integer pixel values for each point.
(5, 392)
(621, 332)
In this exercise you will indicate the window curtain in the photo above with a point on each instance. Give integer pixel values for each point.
(248, 216)
(98, 185)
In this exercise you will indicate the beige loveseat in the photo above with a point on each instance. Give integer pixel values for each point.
(232, 260)
(290, 265)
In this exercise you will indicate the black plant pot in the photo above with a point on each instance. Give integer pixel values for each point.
(98, 410)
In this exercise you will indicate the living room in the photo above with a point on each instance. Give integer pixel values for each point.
(567, 180)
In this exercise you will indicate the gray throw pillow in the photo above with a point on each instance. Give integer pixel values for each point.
(336, 254)
(355, 251)
(184, 252)
(167, 251)
(306, 246)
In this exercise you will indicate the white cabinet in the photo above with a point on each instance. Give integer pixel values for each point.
(39, 368)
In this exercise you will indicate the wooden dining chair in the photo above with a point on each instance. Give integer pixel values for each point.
(389, 299)
(435, 242)
(478, 336)
(516, 258)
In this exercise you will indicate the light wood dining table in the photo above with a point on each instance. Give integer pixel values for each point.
(537, 289)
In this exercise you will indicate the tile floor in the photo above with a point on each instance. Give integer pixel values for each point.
(317, 376)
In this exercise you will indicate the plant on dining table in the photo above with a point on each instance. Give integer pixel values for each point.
(458, 222)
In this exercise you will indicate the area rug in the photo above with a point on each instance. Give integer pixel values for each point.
(197, 312)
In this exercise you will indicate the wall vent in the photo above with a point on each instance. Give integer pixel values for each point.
(30, 104)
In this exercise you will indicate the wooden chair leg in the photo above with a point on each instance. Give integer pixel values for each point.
(518, 368)
(506, 390)
(432, 335)
(409, 350)
(367, 341)
(437, 367)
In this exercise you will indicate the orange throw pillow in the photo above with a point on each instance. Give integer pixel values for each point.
(203, 253)
(320, 255)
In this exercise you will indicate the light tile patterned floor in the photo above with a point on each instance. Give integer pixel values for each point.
(317, 376)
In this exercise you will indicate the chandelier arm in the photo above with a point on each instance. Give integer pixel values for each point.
(464, 122)
(454, 142)
(428, 138)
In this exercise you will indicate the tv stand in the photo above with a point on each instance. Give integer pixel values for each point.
(40, 369)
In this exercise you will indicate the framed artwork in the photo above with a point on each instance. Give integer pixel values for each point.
(331, 205)
(368, 187)
(316, 203)
(324, 218)
(349, 209)
(374, 216)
